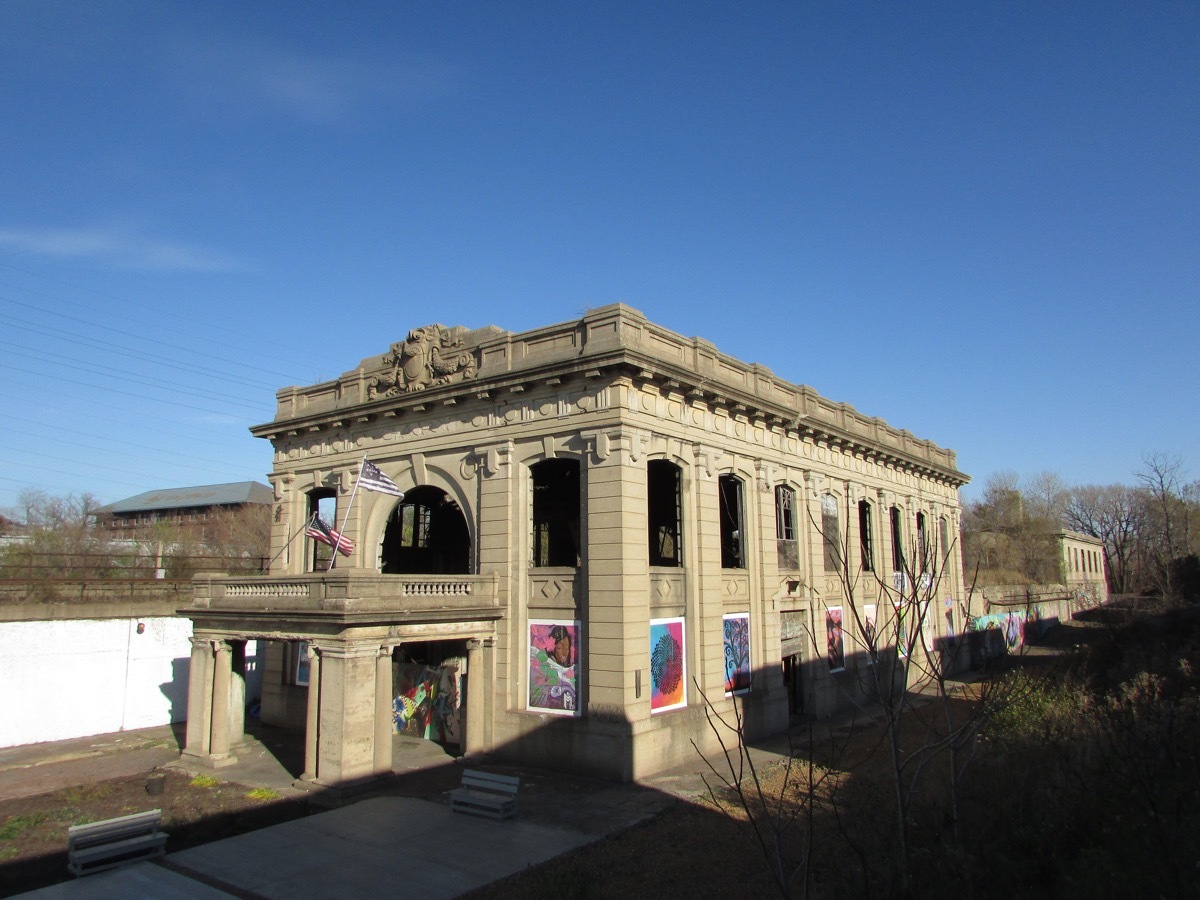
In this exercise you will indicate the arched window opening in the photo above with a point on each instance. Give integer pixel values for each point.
(426, 534)
(556, 506)
(733, 544)
(664, 512)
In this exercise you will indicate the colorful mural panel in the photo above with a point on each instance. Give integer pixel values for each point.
(737, 653)
(553, 666)
(668, 666)
(427, 702)
(834, 639)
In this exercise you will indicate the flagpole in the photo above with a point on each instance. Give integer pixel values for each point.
(346, 518)
(296, 534)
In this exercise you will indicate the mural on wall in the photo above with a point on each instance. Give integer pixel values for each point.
(737, 653)
(428, 702)
(553, 666)
(901, 631)
(668, 667)
(948, 612)
(834, 639)
(871, 632)
(1010, 624)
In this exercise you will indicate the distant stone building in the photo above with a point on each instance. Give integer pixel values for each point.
(1081, 562)
(185, 506)
(603, 524)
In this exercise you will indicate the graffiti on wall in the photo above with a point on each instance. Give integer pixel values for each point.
(1010, 624)
(427, 702)
(553, 666)
(737, 653)
(668, 667)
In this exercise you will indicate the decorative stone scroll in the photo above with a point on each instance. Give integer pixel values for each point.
(430, 355)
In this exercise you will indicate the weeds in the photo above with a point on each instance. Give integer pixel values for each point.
(204, 781)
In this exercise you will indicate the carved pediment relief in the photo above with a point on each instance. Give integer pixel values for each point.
(430, 355)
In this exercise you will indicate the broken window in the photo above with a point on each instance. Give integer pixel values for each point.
(897, 543)
(866, 536)
(831, 533)
(729, 511)
(321, 502)
(785, 527)
(664, 512)
(555, 512)
(426, 534)
(923, 560)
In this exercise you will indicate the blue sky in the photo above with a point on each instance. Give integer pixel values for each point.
(977, 221)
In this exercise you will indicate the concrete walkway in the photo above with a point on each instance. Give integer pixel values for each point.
(410, 844)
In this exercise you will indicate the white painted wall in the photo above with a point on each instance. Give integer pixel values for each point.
(78, 677)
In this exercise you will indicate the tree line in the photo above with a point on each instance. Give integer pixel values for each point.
(1150, 529)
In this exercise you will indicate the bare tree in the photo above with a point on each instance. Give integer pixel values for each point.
(929, 724)
(1114, 514)
(780, 817)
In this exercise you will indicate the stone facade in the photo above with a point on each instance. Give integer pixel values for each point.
(604, 525)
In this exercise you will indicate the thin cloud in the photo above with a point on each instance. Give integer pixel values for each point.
(308, 87)
(115, 247)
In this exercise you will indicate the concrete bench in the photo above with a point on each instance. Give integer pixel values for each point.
(485, 794)
(115, 842)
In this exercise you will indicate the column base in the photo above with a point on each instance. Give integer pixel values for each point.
(208, 760)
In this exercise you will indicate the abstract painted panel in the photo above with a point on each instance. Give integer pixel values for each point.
(668, 665)
(737, 653)
(553, 666)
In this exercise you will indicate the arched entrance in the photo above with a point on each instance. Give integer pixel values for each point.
(426, 534)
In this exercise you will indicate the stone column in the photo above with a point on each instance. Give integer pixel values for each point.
(237, 694)
(222, 678)
(475, 695)
(618, 580)
(200, 698)
(312, 723)
(383, 711)
(346, 714)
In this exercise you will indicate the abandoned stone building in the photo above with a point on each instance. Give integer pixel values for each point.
(604, 525)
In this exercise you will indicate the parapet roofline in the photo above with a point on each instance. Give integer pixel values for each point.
(436, 365)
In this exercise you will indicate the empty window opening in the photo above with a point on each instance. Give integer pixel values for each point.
(897, 540)
(922, 544)
(785, 527)
(664, 512)
(866, 537)
(426, 534)
(733, 549)
(321, 502)
(831, 533)
(556, 508)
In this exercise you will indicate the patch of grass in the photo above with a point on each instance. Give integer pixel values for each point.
(262, 793)
(16, 826)
(204, 781)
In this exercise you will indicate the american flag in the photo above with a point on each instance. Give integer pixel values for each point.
(372, 479)
(318, 530)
